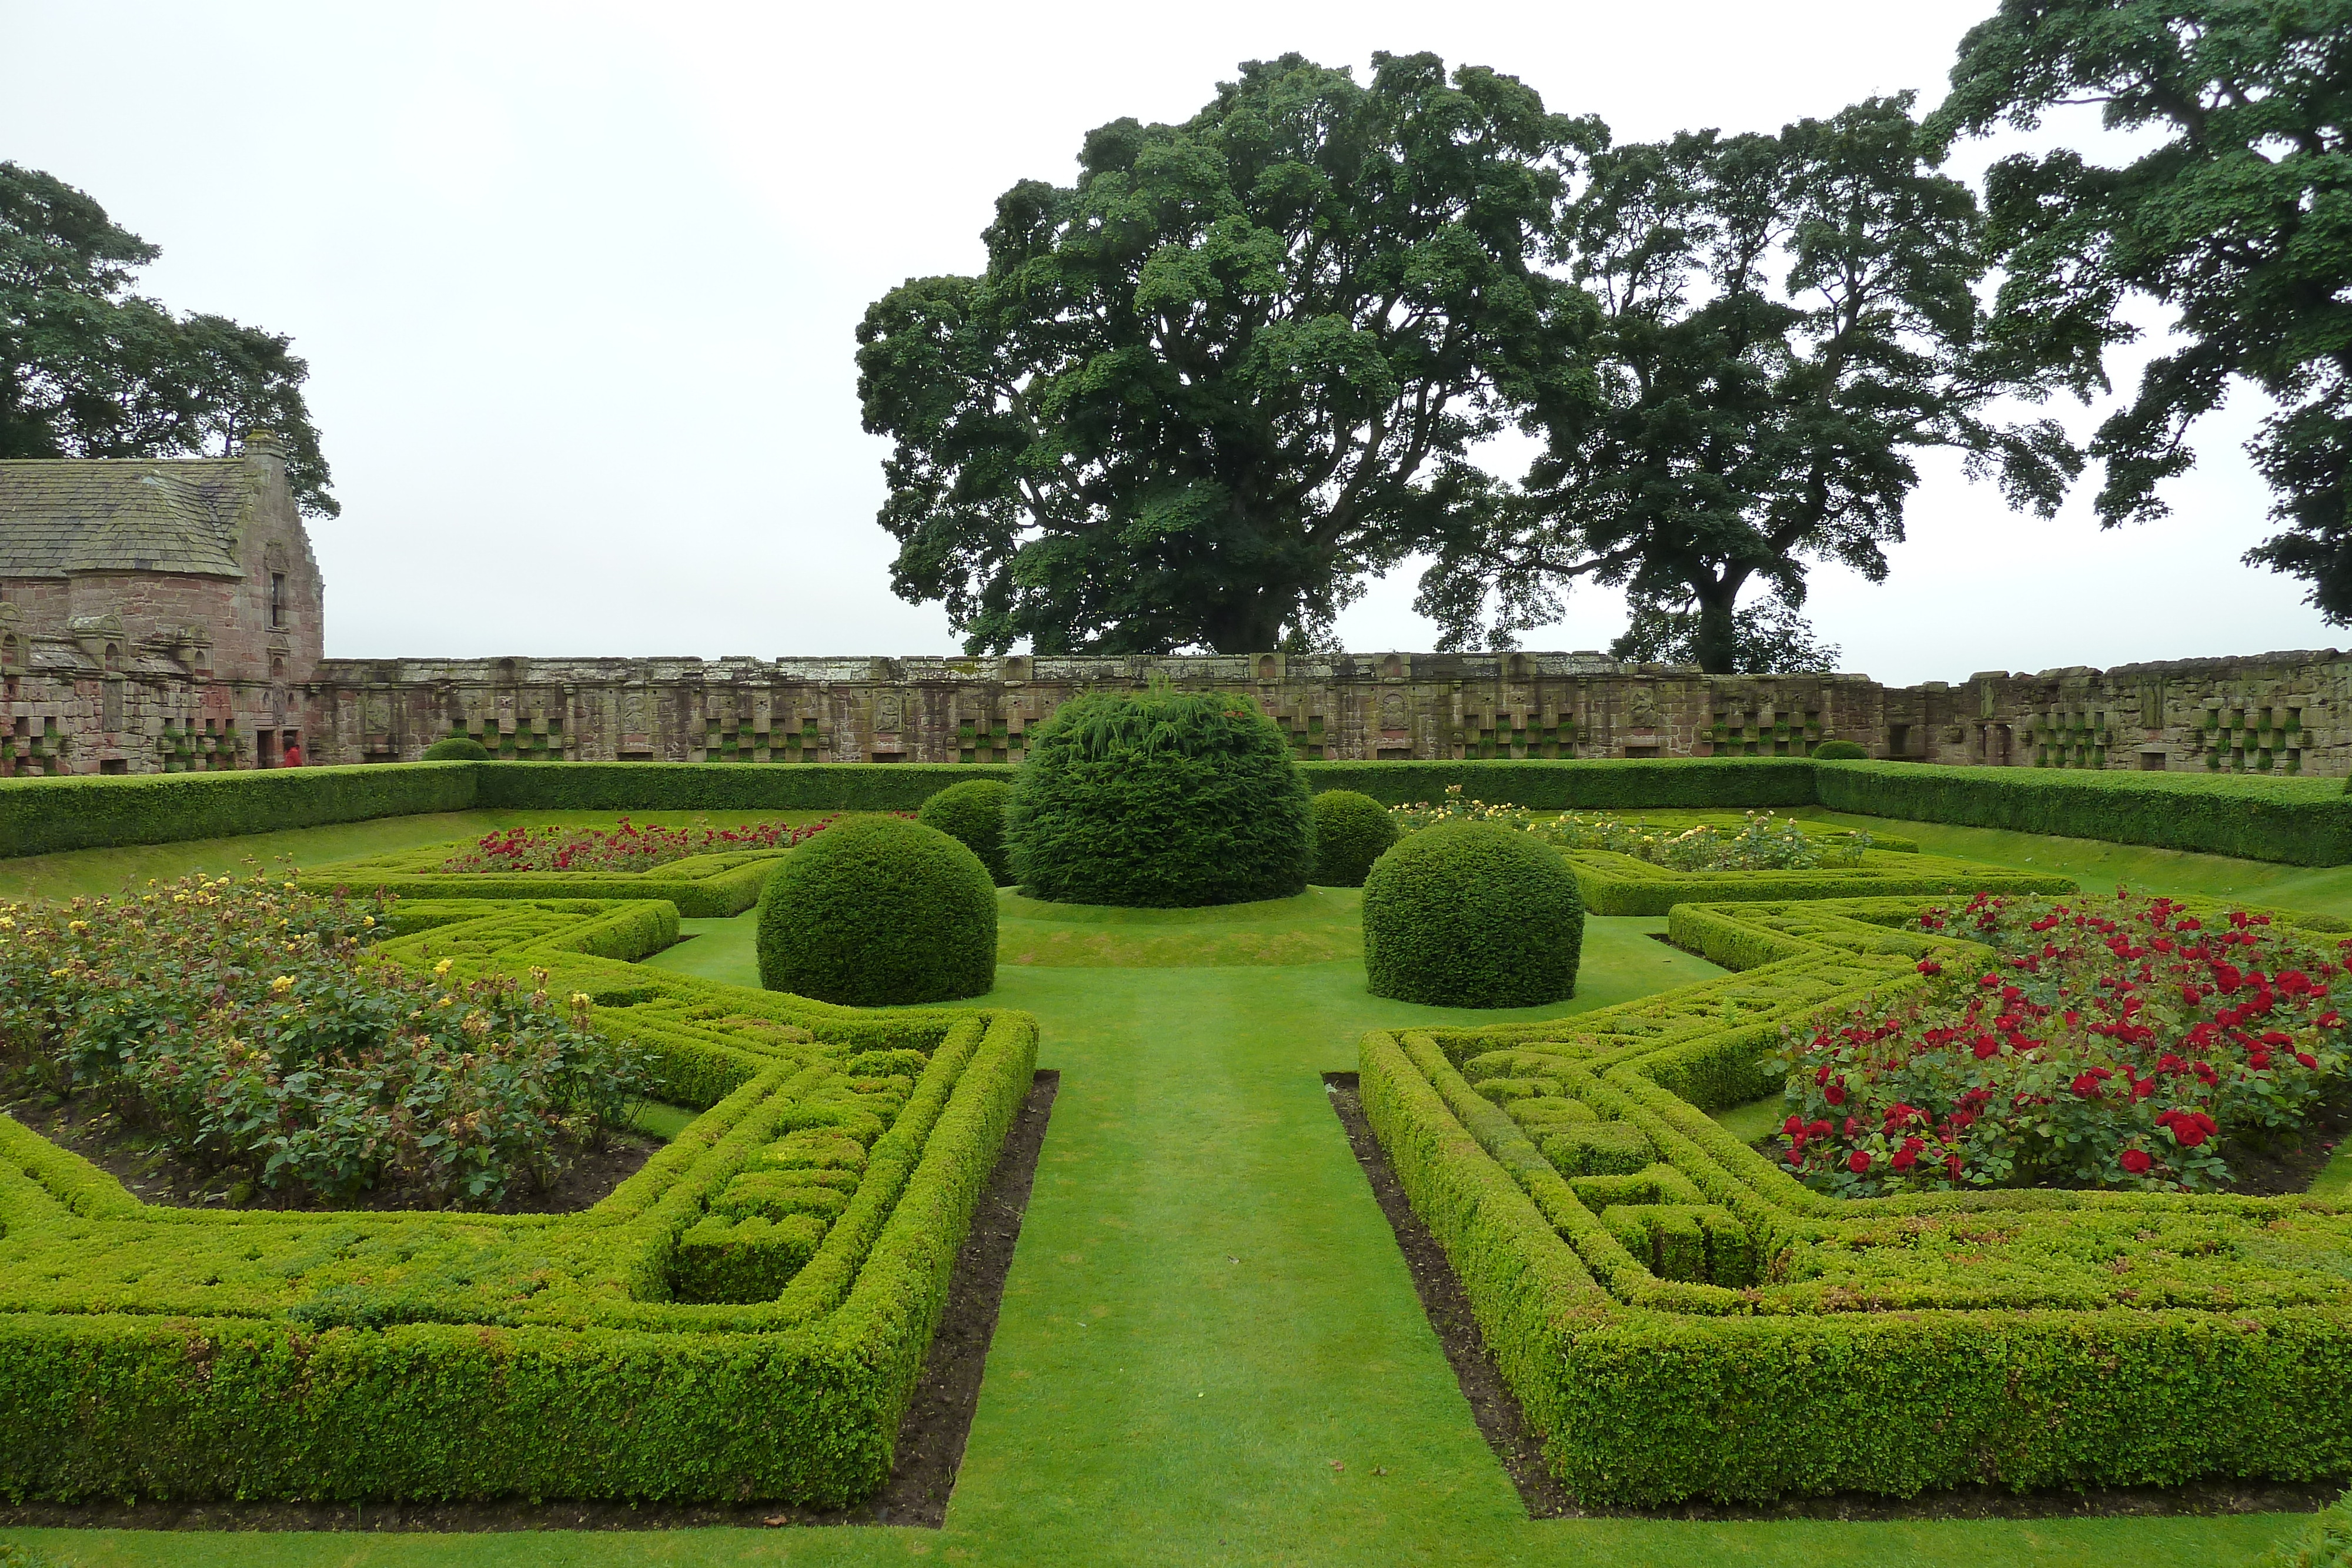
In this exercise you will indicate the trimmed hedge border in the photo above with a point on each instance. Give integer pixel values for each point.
(1706, 1326)
(2295, 822)
(1616, 883)
(703, 887)
(447, 1356)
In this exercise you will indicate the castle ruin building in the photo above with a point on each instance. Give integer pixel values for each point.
(167, 615)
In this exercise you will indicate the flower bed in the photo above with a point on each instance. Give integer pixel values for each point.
(2115, 1043)
(624, 848)
(1761, 841)
(246, 1025)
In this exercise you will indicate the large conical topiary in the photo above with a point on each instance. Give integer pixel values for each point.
(1473, 914)
(878, 910)
(1159, 798)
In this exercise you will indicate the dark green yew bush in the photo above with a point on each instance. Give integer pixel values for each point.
(457, 749)
(1351, 831)
(1159, 800)
(972, 814)
(1470, 915)
(1840, 751)
(876, 911)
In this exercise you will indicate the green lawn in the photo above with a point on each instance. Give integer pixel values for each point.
(1211, 1351)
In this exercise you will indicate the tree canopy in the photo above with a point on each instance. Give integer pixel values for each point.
(91, 369)
(1196, 396)
(2239, 219)
(1785, 320)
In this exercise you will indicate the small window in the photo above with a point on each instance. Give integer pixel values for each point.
(113, 764)
(1641, 751)
(1899, 740)
(276, 601)
(2151, 762)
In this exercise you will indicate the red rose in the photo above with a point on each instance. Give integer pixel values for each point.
(1797, 1154)
(1858, 1162)
(1836, 1093)
(2136, 1161)
(1793, 1126)
(2187, 1133)
(1904, 1160)
(2306, 1059)
(1929, 966)
(1986, 1048)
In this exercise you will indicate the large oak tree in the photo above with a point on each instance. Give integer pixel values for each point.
(1199, 394)
(2239, 219)
(1786, 322)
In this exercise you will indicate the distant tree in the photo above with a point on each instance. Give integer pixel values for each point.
(1766, 638)
(2241, 221)
(89, 369)
(1198, 396)
(1786, 321)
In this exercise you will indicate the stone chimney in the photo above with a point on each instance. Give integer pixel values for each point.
(263, 447)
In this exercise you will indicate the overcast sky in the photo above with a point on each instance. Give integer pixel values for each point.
(577, 287)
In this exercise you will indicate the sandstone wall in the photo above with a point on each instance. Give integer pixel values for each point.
(2276, 712)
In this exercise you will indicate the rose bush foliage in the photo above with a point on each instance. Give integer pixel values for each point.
(626, 847)
(245, 1023)
(2113, 1043)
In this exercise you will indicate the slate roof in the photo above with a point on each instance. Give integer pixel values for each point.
(175, 514)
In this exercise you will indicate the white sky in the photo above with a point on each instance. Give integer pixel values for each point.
(578, 287)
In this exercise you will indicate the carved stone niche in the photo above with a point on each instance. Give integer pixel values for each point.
(100, 639)
(191, 644)
(15, 647)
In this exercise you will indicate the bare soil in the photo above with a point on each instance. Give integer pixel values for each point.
(1517, 1446)
(930, 1449)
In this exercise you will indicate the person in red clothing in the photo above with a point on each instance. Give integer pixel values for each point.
(293, 754)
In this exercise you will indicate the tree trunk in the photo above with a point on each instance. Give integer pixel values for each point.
(1716, 648)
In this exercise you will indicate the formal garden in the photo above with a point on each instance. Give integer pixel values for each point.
(1166, 1150)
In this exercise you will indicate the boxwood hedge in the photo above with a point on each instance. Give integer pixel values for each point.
(1472, 914)
(1707, 1327)
(193, 1353)
(876, 911)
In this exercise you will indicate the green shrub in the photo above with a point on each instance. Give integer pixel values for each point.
(1351, 831)
(726, 786)
(1840, 751)
(1632, 784)
(879, 911)
(1474, 916)
(42, 816)
(457, 749)
(2326, 1542)
(972, 814)
(1159, 800)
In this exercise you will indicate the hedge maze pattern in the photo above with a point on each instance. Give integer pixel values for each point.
(702, 886)
(744, 1317)
(1681, 1318)
(1616, 883)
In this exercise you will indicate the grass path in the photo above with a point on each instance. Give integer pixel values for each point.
(1206, 1310)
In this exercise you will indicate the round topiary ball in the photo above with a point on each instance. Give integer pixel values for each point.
(1472, 914)
(1351, 831)
(1161, 799)
(972, 814)
(1840, 751)
(877, 910)
(457, 749)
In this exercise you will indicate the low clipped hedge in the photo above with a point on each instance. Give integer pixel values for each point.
(1655, 1322)
(879, 911)
(1561, 786)
(42, 816)
(972, 813)
(1839, 751)
(2297, 821)
(1159, 798)
(1471, 915)
(457, 749)
(1351, 831)
(423, 1355)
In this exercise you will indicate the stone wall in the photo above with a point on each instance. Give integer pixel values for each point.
(2276, 712)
